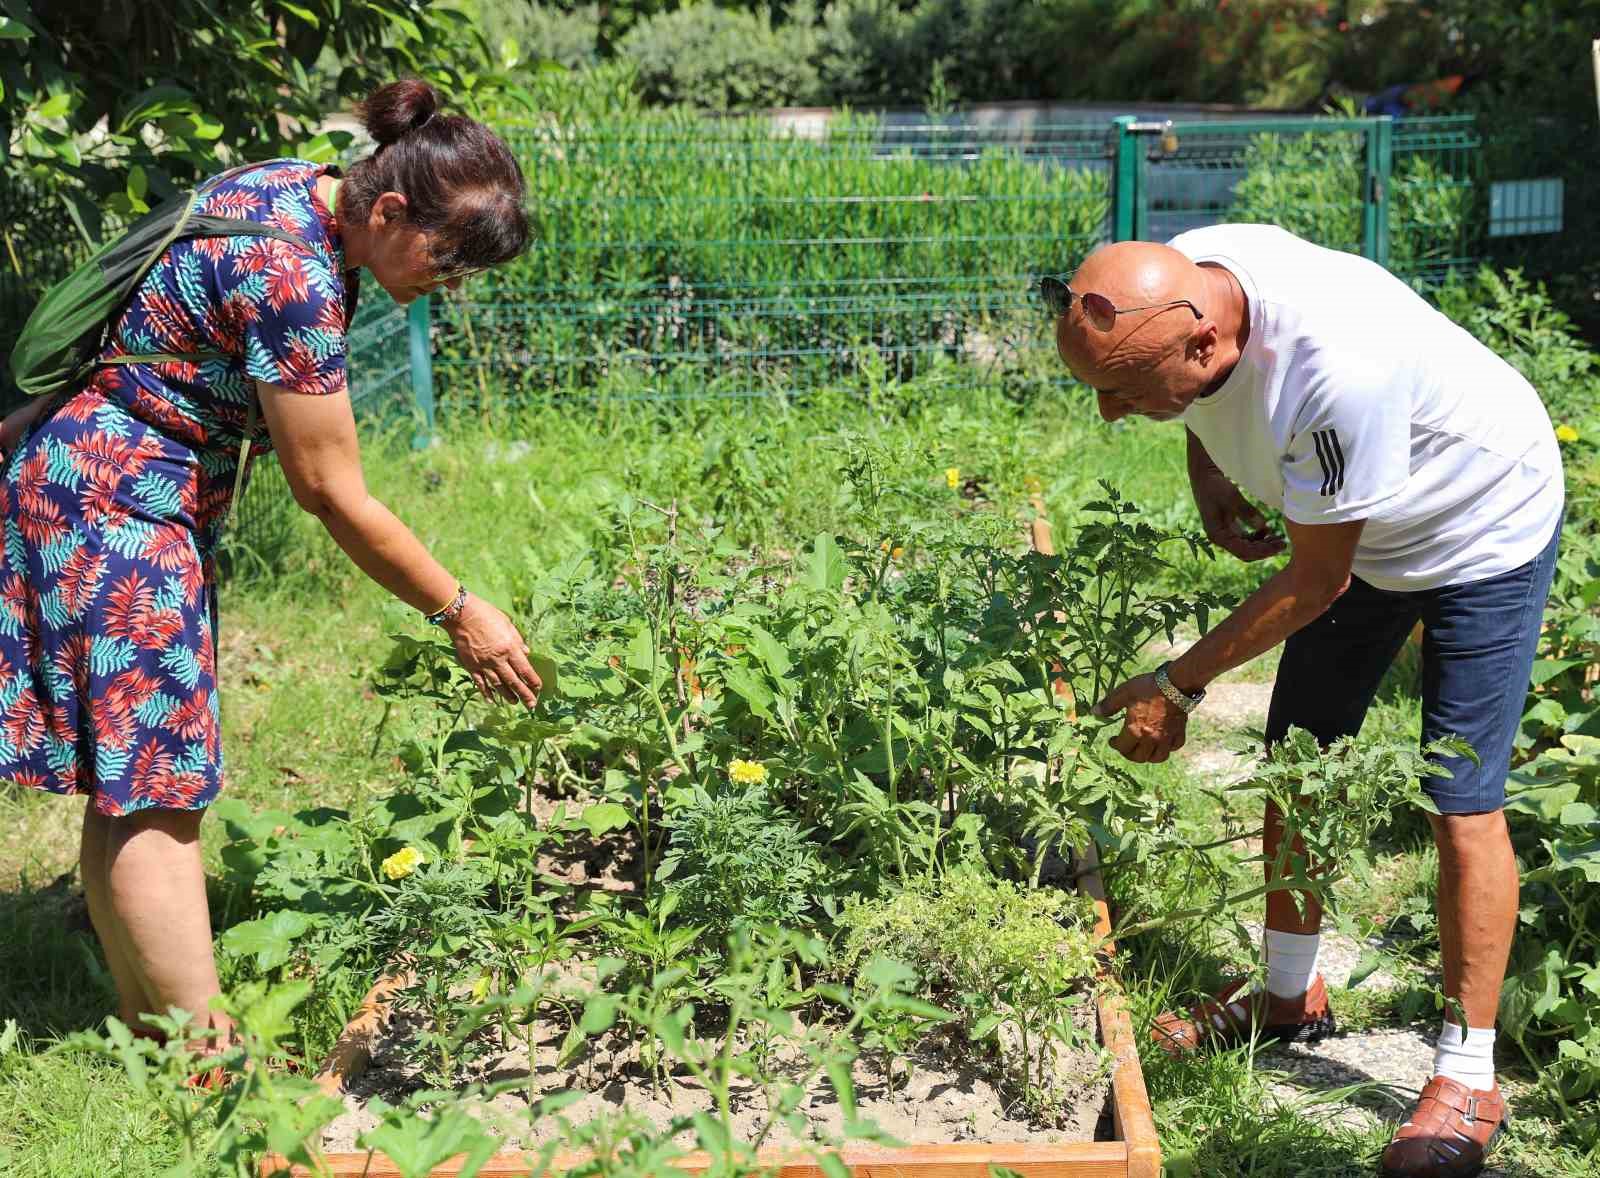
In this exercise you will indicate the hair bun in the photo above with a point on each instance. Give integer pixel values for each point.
(400, 107)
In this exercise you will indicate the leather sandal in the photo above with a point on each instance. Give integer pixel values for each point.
(1235, 1016)
(1448, 1134)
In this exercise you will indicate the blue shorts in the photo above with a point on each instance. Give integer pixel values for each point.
(1478, 646)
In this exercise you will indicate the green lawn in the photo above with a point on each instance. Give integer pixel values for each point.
(499, 504)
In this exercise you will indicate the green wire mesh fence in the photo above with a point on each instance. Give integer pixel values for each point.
(676, 258)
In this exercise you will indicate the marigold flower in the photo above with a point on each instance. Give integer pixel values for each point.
(897, 554)
(1565, 433)
(952, 477)
(403, 862)
(747, 772)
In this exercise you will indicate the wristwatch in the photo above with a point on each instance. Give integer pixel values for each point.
(1178, 699)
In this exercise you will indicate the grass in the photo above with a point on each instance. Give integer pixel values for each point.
(501, 501)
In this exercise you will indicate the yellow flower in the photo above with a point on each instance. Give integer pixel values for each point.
(1565, 433)
(897, 554)
(747, 772)
(403, 862)
(952, 477)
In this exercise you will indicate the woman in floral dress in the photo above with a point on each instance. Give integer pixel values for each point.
(114, 497)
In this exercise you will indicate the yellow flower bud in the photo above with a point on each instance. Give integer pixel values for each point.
(952, 477)
(403, 862)
(747, 772)
(1565, 433)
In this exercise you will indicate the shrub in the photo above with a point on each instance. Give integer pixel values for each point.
(1519, 321)
(737, 860)
(715, 59)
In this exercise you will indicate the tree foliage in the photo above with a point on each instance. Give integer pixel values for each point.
(109, 108)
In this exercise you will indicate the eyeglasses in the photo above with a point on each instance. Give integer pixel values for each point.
(1099, 310)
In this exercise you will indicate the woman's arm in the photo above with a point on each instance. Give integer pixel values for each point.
(315, 437)
(16, 423)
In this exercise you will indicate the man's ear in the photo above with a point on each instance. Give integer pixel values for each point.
(1203, 342)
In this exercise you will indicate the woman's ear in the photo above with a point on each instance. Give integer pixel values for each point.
(387, 209)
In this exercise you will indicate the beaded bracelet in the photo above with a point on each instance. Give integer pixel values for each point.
(451, 611)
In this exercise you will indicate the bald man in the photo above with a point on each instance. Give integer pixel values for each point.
(1420, 480)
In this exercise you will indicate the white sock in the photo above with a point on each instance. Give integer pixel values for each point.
(1466, 1056)
(1291, 962)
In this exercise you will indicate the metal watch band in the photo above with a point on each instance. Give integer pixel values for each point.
(1178, 699)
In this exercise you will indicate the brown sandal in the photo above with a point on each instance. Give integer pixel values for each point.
(1233, 1017)
(1448, 1134)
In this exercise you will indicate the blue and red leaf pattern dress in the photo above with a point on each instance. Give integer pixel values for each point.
(113, 503)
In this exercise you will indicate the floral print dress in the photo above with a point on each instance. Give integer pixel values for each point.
(113, 503)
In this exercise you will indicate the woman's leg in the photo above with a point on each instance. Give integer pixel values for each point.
(158, 894)
(132, 1001)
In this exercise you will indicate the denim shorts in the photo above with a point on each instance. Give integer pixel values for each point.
(1478, 646)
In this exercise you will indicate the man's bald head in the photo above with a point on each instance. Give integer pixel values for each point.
(1156, 354)
(1131, 274)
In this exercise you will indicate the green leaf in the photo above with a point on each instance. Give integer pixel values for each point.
(324, 148)
(844, 1085)
(604, 816)
(825, 565)
(138, 182)
(303, 13)
(1369, 964)
(985, 1026)
(56, 107)
(712, 1134)
(153, 104)
(270, 939)
(14, 30)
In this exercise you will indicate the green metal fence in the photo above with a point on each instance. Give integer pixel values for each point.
(675, 258)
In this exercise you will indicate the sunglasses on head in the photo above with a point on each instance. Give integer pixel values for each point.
(1097, 309)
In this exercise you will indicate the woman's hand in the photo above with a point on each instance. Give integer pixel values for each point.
(493, 653)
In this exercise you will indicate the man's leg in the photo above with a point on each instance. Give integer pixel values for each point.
(1327, 678)
(132, 1001)
(1477, 909)
(1477, 655)
(157, 890)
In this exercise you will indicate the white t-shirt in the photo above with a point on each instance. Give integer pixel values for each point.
(1356, 399)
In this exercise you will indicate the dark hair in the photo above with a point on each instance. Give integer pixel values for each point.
(461, 183)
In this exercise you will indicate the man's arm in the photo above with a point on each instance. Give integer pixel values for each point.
(1320, 559)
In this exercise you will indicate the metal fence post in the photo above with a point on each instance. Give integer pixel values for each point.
(417, 335)
(1375, 199)
(1125, 184)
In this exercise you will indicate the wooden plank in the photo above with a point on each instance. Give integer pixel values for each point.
(353, 1052)
(1085, 1159)
(1130, 1099)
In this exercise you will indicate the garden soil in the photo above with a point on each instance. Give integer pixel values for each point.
(941, 1101)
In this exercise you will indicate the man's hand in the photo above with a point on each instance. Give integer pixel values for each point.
(1153, 728)
(1231, 521)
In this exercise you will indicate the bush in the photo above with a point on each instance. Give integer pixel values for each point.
(737, 860)
(1519, 321)
(1311, 185)
(715, 59)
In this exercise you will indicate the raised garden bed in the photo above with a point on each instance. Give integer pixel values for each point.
(766, 876)
(1132, 1152)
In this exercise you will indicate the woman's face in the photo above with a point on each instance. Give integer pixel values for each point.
(400, 256)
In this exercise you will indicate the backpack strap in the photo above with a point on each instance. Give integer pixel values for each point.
(244, 460)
